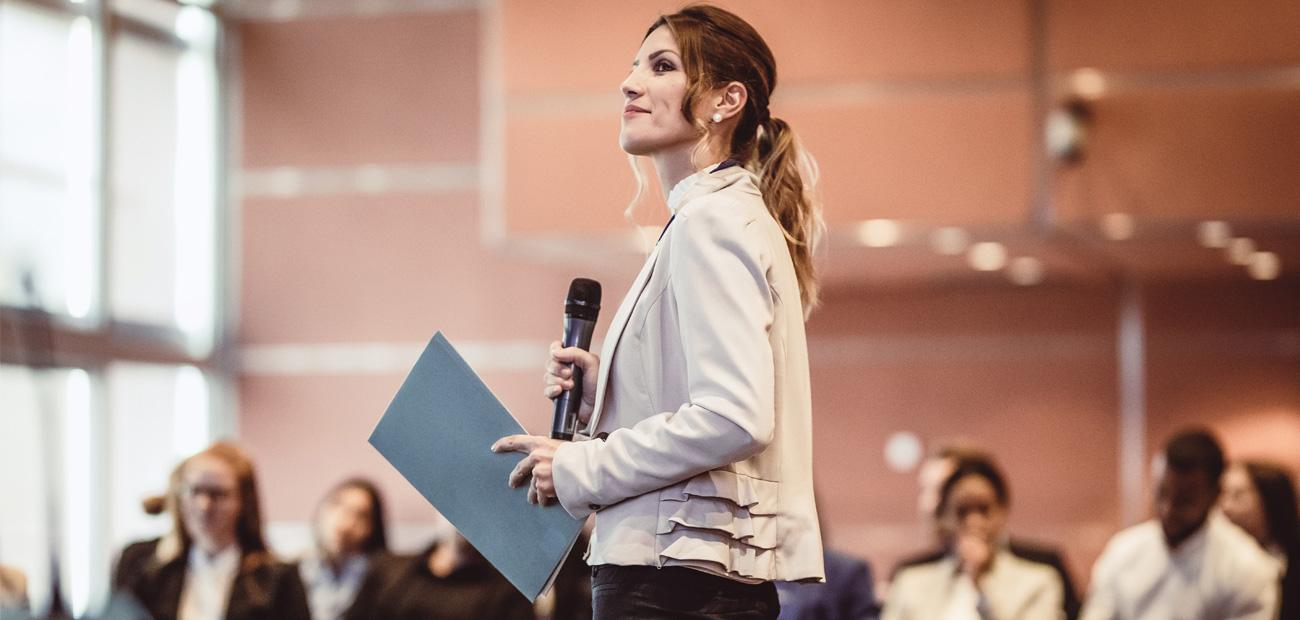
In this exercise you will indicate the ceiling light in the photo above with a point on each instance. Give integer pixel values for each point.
(903, 451)
(879, 233)
(1088, 83)
(1214, 233)
(1025, 270)
(1264, 266)
(949, 240)
(1240, 250)
(987, 256)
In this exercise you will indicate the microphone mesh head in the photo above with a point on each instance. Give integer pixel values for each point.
(584, 298)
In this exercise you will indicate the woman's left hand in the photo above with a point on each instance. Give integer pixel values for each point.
(537, 465)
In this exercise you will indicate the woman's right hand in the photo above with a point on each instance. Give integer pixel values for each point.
(559, 376)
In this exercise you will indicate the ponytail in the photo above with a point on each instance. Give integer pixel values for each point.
(788, 180)
(718, 47)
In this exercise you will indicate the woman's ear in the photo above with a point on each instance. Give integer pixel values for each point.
(728, 102)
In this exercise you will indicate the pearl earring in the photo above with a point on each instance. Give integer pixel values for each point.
(717, 117)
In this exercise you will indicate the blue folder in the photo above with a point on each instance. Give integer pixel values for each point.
(437, 433)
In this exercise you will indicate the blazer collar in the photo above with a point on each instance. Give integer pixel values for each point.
(708, 181)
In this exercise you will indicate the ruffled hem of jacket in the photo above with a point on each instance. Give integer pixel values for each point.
(725, 519)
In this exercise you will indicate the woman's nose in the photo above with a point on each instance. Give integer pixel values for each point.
(630, 88)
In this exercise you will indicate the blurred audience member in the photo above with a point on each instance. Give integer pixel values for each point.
(978, 577)
(1190, 562)
(137, 555)
(449, 581)
(1260, 498)
(13, 588)
(931, 475)
(214, 563)
(570, 597)
(349, 533)
(848, 594)
(849, 591)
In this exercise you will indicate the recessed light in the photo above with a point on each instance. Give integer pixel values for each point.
(879, 233)
(1264, 266)
(987, 256)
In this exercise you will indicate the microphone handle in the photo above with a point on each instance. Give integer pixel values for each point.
(577, 333)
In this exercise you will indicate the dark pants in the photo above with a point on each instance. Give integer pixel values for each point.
(636, 592)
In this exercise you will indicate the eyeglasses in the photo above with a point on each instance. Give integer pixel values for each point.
(213, 493)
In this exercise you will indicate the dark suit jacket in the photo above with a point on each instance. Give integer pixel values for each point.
(403, 588)
(131, 563)
(1291, 587)
(848, 594)
(1025, 551)
(264, 589)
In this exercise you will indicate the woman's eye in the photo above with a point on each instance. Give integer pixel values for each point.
(663, 66)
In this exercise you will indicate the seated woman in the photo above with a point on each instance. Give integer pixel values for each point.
(350, 536)
(978, 578)
(214, 564)
(1260, 497)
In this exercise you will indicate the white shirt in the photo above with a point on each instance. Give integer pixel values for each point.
(208, 580)
(330, 594)
(1219, 572)
(1012, 589)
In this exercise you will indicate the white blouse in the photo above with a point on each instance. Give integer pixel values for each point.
(208, 581)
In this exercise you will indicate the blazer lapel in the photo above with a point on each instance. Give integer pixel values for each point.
(615, 332)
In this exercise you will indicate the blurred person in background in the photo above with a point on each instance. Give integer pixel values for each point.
(349, 534)
(448, 581)
(849, 592)
(977, 577)
(13, 588)
(1190, 561)
(1260, 497)
(570, 597)
(931, 474)
(214, 563)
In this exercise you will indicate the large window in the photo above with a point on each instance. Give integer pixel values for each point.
(110, 242)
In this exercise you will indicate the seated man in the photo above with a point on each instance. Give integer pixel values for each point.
(1189, 562)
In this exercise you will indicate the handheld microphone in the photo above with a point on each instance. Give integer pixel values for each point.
(580, 310)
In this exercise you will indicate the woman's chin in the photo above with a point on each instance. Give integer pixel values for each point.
(632, 146)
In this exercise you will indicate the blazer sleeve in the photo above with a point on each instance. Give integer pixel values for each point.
(724, 307)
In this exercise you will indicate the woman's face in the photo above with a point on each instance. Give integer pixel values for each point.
(973, 509)
(210, 500)
(1240, 503)
(653, 94)
(344, 523)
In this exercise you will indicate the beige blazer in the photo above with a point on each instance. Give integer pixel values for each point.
(703, 408)
(1013, 589)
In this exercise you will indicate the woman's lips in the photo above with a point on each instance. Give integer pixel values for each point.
(631, 110)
